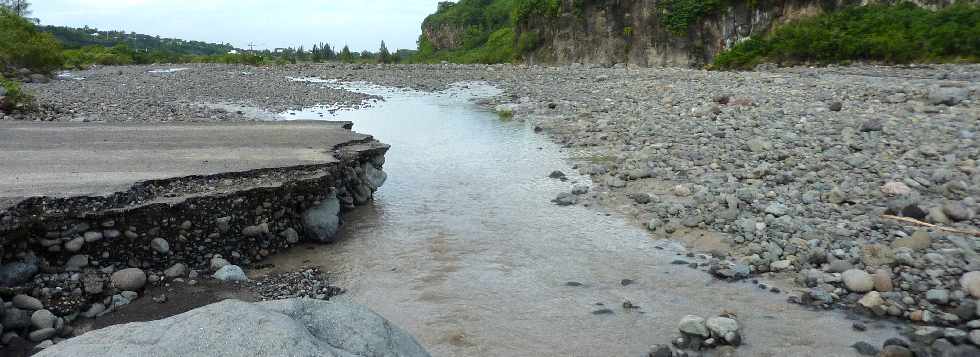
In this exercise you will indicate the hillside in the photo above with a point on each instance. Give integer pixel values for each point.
(73, 38)
(643, 32)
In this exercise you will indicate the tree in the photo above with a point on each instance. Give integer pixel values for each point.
(346, 55)
(23, 46)
(300, 53)
(316, 54)
(383, 55)
(327, 51)
(19, 7)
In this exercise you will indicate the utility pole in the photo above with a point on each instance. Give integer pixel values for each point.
(251, 47)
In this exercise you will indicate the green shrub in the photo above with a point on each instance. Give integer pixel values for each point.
(628, 32)
(498, 49)
(528, 41)
(97, 55)
(899, 33)
(678, 15)
(14, 96)
(524, 10)
(474, 37)
(23, 46)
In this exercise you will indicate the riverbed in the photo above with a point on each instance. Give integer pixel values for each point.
(464, 249)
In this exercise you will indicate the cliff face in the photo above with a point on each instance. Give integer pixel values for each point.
(443, 36)
(632, 31)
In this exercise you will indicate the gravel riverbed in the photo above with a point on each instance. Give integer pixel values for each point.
(794, 172)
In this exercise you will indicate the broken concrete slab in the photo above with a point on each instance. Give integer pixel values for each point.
(71, 159)
(229, 189)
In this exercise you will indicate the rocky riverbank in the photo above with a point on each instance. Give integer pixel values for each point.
(201, 92)
(799, 172)
(857, 184)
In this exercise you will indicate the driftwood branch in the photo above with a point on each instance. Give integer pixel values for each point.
(930, 225)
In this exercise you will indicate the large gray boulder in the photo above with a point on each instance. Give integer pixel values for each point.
(232, 328)
(15, 273)
(323, 220)
(374, 177)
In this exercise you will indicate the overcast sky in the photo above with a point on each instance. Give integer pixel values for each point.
(362, 24)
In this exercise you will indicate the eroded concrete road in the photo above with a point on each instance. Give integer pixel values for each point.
(91, 159)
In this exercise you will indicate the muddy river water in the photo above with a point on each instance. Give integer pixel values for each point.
(463, 248)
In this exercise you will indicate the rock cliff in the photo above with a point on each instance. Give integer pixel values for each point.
(645, 32)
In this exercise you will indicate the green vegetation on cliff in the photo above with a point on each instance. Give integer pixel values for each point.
(488, 31)
(902, 33)
(479, 30)
(678, 15)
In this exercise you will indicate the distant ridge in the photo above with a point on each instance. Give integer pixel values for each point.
(73, 38)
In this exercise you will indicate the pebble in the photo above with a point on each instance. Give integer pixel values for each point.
(895, 351)
(781, 265)
(865, 349)
(217, 262)
(230, 273)
(42, 319)
(43, 345)
(681, 191)
(971, 283)
(641, 198)
(160, 245)
(724, 327)
(919, 241)
(76, 262)
(42, 334)
(175, 271)
(566, 199)
(896, 189)
(26, 302)
(292, 237)
(95, 310)
(693, 325)
(661, 351)
(858, 281)
(129, 279)
(883, 280)
(871, 300)
(835, 106)
(75, 245)
(958, 212)
(92, 237)
(602, 312)
(777, 209)
(839, 266)
(17, 272)
(938, 296)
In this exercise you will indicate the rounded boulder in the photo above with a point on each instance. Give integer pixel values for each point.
(131, 279)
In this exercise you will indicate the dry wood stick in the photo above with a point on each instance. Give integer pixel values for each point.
(930, 225)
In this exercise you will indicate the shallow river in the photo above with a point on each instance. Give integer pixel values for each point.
(463, 248)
